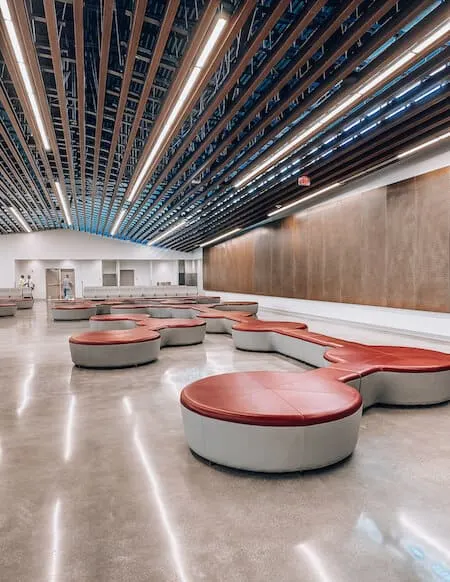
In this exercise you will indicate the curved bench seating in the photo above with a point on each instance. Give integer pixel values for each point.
(115, 349)
(178, 332)
(73, 311)
(247, 306)
(122, 340)
(8, 309)
(271, 421)
(236, 419)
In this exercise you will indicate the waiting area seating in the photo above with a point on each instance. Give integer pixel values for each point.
(139, 291)
(139, 343)
(280, 422)
(22, 298)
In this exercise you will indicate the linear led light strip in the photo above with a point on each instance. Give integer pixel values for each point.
(13, 39)
(167, 232)
(187, 89)
(209, 242)
(20, 219)
(336, 111)
(63, 202)
(336, 184)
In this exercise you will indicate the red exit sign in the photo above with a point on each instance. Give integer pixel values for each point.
(304, 181)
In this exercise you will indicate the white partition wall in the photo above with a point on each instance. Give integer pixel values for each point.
(66, 249)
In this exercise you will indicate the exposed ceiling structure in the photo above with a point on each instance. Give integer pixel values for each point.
(176, 122)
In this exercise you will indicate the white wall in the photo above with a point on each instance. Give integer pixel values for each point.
(36, 251)
(142, 271)
(165, 271)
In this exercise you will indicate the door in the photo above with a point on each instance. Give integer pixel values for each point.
(71, 273)
(127, 278)
(52, 283)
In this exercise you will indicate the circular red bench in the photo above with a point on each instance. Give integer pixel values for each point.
(7, 309)
(115, 349)
(136, 344)
(272, 421)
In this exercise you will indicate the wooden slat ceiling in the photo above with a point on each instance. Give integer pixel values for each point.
(107, 74)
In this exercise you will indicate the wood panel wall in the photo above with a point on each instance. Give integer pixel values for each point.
(389, 246)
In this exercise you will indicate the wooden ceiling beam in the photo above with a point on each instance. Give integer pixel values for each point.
(26, 173)
(169, 17)
(52, 30)
(22, 23)
(135, 35)
(78, 25)
(224, 90)
(108, 8)
(197, 41)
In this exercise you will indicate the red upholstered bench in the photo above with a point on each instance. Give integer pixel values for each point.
(272, 421)
(115, 349)
(138, 343)
(218, 411)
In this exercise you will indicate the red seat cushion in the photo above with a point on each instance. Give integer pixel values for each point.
(272, 398)
(367, 359)
(113, 337)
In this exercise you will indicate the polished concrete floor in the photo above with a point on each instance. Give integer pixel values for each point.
(97, 484)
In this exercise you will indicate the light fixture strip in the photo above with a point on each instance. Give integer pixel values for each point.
(423, 145)
(167, 232)
(20, 61)
(117, 222)
(304, 199)
(20, 219)
(63, 202)
(231, 232)
(185, 93)
(351, 100)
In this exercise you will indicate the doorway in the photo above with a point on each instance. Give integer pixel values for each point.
(53, 282)
(127, 278)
